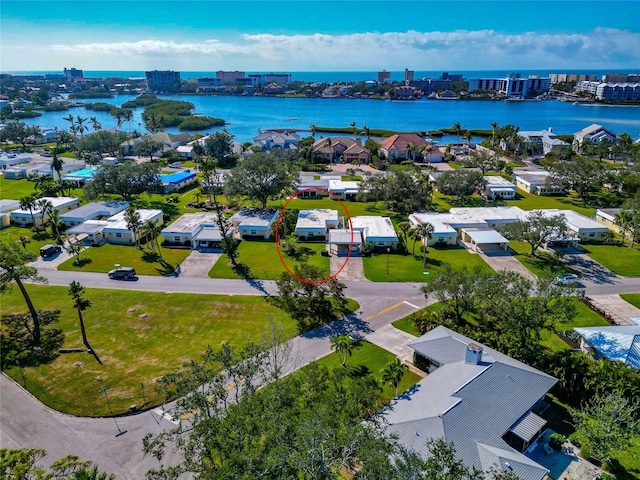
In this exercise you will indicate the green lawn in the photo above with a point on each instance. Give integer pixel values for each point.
(543, 263)
(353, 208)
(368, 358)
(351, 178)
(15, 189)
(260, 260)
(585, 317)
(632, 298)
(146, 262)
(624, 261)
(138, 337)
(36, 239)
(407, 268)
(528, 201)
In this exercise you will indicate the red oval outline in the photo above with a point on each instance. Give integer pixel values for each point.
(293, 197)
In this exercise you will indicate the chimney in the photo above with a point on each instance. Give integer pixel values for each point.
(473, 354)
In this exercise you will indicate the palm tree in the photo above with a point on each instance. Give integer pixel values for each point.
(24, 239)
(76, 248)
(45, 207)
(119, 118)
(72, 123)
(329, 145)
(393, 373)
(56, 164)
(404, 228)
(80, 126)
(81, 304)
(622, 220)
(494, 125)
(424, 231)
(467, 136)
(343, 345)
(95, 124)
(366, 131)
(132, 217)
(457, 129)
(91, 473)
(128, 116)
(56, 225)
(411, 148)
(312, 128)
(151, 229)
(353, 127)
(29, 203)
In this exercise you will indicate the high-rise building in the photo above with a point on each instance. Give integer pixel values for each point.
(73, 73)
(512, 85)
(408, 75)
(161, 79)
(384, 77)
(229, 78)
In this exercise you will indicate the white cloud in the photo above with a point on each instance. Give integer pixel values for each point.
(463, 49)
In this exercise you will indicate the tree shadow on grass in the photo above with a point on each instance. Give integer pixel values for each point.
(357, 371)
(243, 271)
(81, 262)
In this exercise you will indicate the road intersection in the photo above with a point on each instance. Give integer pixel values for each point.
(25, 422)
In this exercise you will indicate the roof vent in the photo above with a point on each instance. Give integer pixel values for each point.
(473, 355)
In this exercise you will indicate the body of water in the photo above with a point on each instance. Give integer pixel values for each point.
(247, 115)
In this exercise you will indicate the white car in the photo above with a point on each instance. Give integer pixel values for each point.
(566, 279)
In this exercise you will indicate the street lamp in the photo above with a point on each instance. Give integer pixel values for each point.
(388, 252)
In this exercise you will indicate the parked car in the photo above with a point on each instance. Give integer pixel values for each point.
(50, 250)
(566, 279)
(46, 153)
(175, 165)
(122, 272)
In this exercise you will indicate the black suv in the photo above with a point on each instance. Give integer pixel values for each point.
(50, 250)
(122, 272)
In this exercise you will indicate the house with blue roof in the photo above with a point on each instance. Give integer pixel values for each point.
(177, 181)
(476, 398)
(619, 343)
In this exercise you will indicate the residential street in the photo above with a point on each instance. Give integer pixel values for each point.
(25, 422)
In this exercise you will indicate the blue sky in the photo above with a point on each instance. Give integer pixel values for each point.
(306, 35)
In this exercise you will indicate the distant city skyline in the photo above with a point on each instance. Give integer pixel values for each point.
(307, 35)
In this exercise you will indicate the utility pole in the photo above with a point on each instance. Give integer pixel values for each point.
(105, 390)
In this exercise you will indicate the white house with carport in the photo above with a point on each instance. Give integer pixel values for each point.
(537, 183)
(607, 217)
(198, 230)
(314, 224)
(377, 230)
(255, 222)
(498, 188)
(308, 185)
(118, 232)
(619, 343)
(344, 190)
(91, 232)
(581, 227)
(60, 204)
(6, 207)
(178, 180)
(482, 217)
(93, 211)
(443, 232)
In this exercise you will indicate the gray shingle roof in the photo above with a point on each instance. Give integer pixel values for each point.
(470, 405)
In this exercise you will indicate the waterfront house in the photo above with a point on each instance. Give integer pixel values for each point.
(592, 134)
(398, 146)
(344, 190)
(118, 232)
(93, 211)
(198, 230)
(476, 398)
(308, 185)
(334, 149)
(314, 224)
(540, 142)
(23, 218)
(269, 140)
(255, 222)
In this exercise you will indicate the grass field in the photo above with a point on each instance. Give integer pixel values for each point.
(542, 264)
(138, 337)
(624, 261)
(260, 260)
(369, 359)
(15, 189)
(632, 298)
(146, 262)
(407, 268)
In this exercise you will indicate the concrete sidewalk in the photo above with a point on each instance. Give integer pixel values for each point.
(619, 307)
(353, 270)
(198, 264)
(500, 260)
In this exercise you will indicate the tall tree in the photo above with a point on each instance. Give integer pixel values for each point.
(29, 203)
(56, 164)
(402, 192)
(132, 217)
(537, 229)
(424, 232)
(80, 303)
(81, 127)
(219, 146)
(482, 160)
(343, 346)
(56, 225)
(76, 248)
(607, 423)
(148, 148)
(460, 183)
(95, 124)
(13, 268)
(583, 175)
(393, 373)
(261, 177)
(127, 180)
(152, 230)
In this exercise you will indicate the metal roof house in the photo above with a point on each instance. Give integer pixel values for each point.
(198, 230)
(315, 223)
(62, 205)
(6, 206)
(118, 232)
(92, 211)
(476, 398)
(254, 222)
(177, 181)
(619, 343)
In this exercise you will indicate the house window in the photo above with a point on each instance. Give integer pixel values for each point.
(176, 239)
(253, 232)
(118, 235)
(441, 239)
(381, 244)
(592, 234)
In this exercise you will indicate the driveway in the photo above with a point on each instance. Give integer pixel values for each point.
(52, 263)
(590, 270)
(500, 260)
(198, 264)
(353, 269)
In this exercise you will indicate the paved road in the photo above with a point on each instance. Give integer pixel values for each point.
(25, 422)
